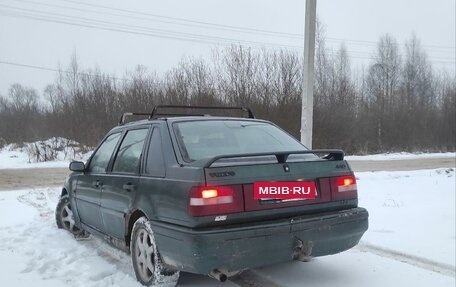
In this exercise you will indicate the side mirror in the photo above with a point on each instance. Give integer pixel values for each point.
(77, 166)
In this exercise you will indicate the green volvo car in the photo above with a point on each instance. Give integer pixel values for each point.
(176, 190)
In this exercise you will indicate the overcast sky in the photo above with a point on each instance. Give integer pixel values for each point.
(158, 34)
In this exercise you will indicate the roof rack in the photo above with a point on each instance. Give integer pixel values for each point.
(156, 113)
(124, 116)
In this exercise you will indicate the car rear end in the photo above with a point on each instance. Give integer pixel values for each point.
(228, 229)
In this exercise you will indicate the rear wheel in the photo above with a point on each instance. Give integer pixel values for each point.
(146, 260)
(64, 216)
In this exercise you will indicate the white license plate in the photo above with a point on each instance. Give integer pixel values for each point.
(277, 200)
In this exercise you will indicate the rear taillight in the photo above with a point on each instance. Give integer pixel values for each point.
(346, 183)
(344, 187)
(215, 200)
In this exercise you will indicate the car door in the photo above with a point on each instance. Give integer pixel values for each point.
(121, 183)
(90, 184)
(158, 192)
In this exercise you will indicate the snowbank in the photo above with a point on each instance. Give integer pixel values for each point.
(54, 152)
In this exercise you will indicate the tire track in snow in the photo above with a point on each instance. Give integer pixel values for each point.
(417, 261)
(88, 262)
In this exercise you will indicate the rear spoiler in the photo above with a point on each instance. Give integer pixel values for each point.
(329, 154)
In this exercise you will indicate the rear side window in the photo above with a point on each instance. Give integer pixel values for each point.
(155, 165)
(100, 159)
(129, 154)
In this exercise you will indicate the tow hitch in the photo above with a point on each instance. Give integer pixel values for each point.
(302, 250)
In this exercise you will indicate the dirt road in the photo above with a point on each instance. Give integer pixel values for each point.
(32, 177)
(36, 177)
(406, 164)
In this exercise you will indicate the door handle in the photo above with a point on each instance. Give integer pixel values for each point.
(129, 187)
(97, 183)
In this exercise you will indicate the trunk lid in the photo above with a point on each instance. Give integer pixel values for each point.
(245, 174)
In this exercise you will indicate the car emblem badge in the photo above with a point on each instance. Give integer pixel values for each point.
(222, 174)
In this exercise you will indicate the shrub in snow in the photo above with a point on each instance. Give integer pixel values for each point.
(55, 148)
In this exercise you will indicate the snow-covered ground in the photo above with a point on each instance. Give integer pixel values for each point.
(411, 212)
(18, 159)
(401, 156)
(33, 252)
(54, 152)
(410, 242)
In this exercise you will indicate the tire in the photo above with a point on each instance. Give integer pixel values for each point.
(64, 217)
(147, 263)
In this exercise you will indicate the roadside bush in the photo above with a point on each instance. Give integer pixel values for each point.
(55, 148)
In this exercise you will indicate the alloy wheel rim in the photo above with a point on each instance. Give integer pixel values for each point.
(67, 218)
(145, 254)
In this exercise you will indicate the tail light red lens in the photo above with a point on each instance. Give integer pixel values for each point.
(346, 183)
(344, 187)
(215, 200)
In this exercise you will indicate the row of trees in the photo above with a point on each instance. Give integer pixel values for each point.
(399, 103)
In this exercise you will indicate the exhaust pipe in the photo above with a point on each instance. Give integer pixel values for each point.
(217, 275)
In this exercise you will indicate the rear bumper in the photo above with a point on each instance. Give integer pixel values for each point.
(256, 245)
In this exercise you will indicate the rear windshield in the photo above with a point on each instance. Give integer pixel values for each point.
(206, 139)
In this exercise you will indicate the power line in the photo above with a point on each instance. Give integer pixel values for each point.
(58, 70)
(203, 24)
(200, 39)
(369, 54)
(239, 28)
(373, 43)
(83, 21)
(95, 24)
(175, 22)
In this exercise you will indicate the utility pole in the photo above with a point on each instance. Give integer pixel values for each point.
(308, 73)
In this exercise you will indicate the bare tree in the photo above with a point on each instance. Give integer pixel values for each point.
(391, 105)
(383, 81)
